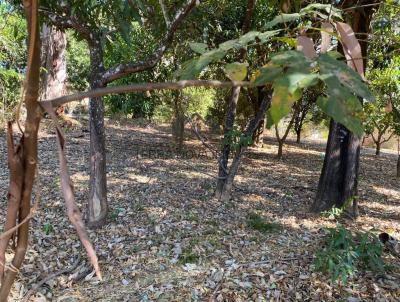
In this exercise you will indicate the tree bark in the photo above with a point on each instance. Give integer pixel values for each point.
(338, 182)
(298, 136)
(378, 149)
(25, 153)
(54, 62)
(97, 205)
(280, 149)
(178, 123)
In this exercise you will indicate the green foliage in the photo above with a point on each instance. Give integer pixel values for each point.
(344, 254)
(195, 66)
(237, 139)
(78, 62)
(256, 222)
(12, 59)
(48, 228)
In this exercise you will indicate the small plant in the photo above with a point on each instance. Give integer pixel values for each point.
(256, 222)
(345, 254)
(48, 228)
(236, 139)
(188, 256)
(333, 213)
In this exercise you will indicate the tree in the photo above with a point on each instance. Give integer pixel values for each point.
(88, 22)
(337, 185)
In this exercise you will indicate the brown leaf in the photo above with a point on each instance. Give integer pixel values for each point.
(306, 45)
(326, 28)
(351, 47)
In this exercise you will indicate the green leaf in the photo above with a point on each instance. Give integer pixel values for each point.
(343, 111)
(283, 99)
(199, 48)
(268, 74)
(291, 58)
(328, 8)
(236, 71)
(329, 67)
(289, 41)
(283, 18)
(192, 68)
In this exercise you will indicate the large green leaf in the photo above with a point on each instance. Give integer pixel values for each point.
(327, 8)
(291, 58)
(283, 99)
(267, 74)
(236, 71)
(329, 67)
(283, 18)
(199, 48)
(192, 68)
(345, 111)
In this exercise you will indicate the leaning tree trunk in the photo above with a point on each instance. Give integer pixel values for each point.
(298, 136)
(54, 62)
(97, 204)
(231, 112)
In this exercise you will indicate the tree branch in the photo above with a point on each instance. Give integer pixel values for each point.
(122, 70)
(142, 87)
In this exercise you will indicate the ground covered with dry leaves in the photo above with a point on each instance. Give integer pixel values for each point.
(167, 239)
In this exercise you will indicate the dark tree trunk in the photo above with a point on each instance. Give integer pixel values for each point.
(280, 149)
(398, 166)
(226, 149)
(378, 148)
(97, 205)
(258, 135)
(227, 187)
(298, 136)
(338, 182)
(178, 122)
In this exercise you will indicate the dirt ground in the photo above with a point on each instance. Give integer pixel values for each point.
(167, 239)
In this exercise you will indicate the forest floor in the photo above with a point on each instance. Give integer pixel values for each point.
(168, 239)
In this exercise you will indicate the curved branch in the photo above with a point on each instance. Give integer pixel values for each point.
(122, 70)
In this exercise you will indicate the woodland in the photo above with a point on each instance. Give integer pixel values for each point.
(199, 150)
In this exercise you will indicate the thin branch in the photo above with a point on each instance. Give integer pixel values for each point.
(122, 70)
(164, 12)
(141, 87)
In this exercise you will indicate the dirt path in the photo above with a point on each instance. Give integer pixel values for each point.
(169, 240)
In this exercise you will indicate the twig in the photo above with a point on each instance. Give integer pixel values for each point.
(50, 277)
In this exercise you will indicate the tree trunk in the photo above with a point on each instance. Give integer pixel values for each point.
(258, 136)
(97, 205)
(226, 190)
(378, 148)
(178, 123)
(54, 62)
(338, 182)
(280, 149)
(398, 166)
(298, 136)
(226, 149)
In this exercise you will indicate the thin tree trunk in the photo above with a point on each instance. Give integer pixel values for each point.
(97, 205)
(178, 123)
(280, 149)
(26, 151)
(227, 188)
(226, 149)
(231, 112)
(398, 167)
